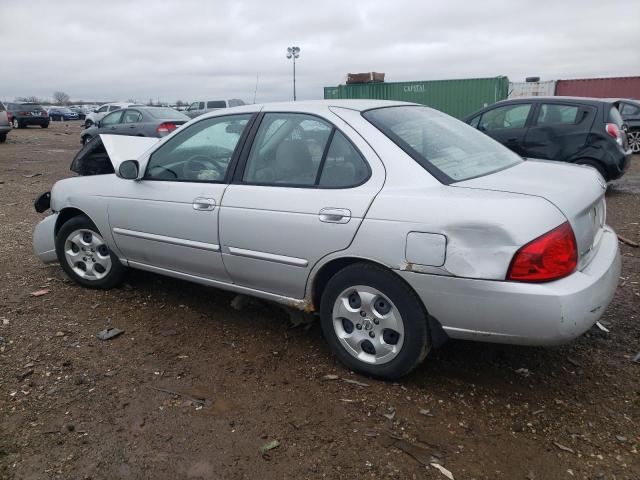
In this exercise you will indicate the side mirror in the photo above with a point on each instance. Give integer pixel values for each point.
(129, 169)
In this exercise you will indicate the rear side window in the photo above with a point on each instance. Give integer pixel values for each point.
(131, 116)
(216, 104)
(343, 166)
(447, 148)
(1, 107)
(113, 108)
(554, 114)
(507, 116)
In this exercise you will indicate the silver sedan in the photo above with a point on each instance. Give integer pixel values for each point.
(399, 225)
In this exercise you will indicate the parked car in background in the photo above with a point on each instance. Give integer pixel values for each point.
(204, 106)
(22, 115)
(62, 114)
(80, 110)
(630, 111)
(93, 117)
(5, 124)
(585, 131)
(138, 121)
(399, 224)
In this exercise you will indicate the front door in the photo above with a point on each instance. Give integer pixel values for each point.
(110, 124)
(169, 219)
(300, 193)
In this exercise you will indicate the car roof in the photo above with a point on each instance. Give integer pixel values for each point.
(310, 106)
(558, 98)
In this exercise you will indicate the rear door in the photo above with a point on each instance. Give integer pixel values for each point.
(300, 193)
(131, 123)
(507, 124)
(559, 130)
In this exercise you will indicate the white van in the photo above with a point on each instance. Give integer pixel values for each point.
(204, 106)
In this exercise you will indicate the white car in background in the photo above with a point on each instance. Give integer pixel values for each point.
(97, 115)
(204, 106)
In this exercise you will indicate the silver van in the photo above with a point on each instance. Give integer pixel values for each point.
(204, 106)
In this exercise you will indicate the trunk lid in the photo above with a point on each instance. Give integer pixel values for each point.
(578, 192)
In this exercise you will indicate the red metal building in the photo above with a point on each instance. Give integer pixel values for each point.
(613, 87)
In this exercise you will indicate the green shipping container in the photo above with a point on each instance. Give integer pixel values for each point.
(457, 98)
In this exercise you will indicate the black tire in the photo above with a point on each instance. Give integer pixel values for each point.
(86, 139)
(45, 125)
(81, 222)
(594, 164)
(87, 123)
(416, 342)
(3, 137)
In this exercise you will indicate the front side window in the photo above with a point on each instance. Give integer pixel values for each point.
(554, 114)
(200, 153)
(193, 106)
(103, 109)
(113, 108)
(111, 119)
(287, 150)
(449, 149)
(131, 116)
(508, 116)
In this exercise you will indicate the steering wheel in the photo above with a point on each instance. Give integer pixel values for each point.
(199, 163)
(162, 171)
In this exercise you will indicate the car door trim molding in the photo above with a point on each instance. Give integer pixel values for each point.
(212, 247)
(269, 257)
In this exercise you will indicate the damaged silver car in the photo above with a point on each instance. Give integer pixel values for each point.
(399, 225)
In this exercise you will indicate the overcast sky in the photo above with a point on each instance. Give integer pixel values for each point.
(116, 50)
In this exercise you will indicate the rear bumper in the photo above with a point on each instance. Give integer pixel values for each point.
(33, 120)
(619, 164)
(44, 245)
(523, 313)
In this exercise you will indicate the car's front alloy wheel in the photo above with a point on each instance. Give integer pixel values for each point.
(84, 255)
(374, 322)
(634, 140)
(16, 123)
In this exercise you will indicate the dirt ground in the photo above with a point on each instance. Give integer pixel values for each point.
(75, 407)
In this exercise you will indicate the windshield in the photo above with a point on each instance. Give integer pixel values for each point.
(216, 104)
(447, 148)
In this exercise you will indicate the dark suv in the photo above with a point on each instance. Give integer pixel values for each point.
(22, 115)
(586, 131)
(630, 111)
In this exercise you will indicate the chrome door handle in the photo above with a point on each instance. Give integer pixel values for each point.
(334, 215)
(202, 203)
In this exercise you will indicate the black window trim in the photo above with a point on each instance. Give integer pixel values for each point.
(582, 109)
(234, 157)
(242, 163)
(129, 109)
(528, 122)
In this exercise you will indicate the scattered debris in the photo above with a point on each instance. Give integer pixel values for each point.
(636, 358)
(5, 321)
(390, 415)
(109, 333)
(563, 448)
(60, 334)
(573, 362)
(621, 438)
(602, 327)
(443, 470)
(200, 401)
(267, 447)
(70, 427)
(525, 372)
(330, 377)
(426, 413)
(39, 293)
(355, 382)
(31, 175)
(168, 333)
(22, 375)
(631, 243)
(421, 454)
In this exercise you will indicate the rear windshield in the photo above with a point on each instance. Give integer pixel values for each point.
(447, 148)
(615, 117)
(216, 104)
(1, 107)
(165, 113)
(26, 107)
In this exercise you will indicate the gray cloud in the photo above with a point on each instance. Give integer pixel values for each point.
(191, 49)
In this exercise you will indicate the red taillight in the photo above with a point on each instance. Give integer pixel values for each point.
(549, 257)
(614, 132)
(166, 128)
(24, 113)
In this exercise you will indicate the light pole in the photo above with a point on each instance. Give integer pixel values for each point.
(293, 52)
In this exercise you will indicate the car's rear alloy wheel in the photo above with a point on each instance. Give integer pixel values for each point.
(85, 256)
(634, 140)
(88, 123)
(374, 322)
